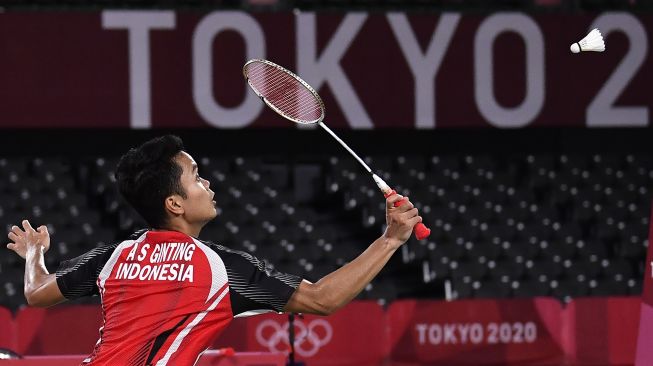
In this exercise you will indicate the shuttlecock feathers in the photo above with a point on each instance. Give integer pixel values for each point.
(592, 42)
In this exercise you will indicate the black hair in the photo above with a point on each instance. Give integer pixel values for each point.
(148, 174)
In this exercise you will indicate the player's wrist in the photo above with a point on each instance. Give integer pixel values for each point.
(34, 249)
(390, 242)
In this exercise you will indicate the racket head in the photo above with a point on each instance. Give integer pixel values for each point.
(284, 91)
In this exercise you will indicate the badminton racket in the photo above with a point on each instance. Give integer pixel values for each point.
(292, 98)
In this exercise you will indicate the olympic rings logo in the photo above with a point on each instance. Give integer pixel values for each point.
(308, 338)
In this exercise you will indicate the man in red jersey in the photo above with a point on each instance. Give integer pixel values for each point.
(166, 294)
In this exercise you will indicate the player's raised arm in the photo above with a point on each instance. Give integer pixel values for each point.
(40, 286)
(338, 288)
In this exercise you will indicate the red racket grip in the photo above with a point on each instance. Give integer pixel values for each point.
(420, 230)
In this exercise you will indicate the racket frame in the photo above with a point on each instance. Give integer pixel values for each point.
(318, 121)
(301, 81)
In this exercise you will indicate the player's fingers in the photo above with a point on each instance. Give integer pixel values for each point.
(16, 230)
(11, 246)
(404, 209)
(390, 200)
(43, 229)
(410, 214)
(414, 221)
(12, 236)
(27, 226)
(405, 205)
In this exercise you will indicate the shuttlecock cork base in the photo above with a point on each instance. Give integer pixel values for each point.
(592, 42)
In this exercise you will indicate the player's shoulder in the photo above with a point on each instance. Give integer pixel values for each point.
(214, 246)
(105, 250)
(226, 252)
(108, 249)
(137, 234)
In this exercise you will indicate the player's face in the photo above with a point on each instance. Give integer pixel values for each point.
(199, 205)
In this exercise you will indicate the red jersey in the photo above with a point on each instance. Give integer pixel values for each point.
(166, 295)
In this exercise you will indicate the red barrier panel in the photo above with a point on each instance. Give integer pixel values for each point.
(207, 359)
(592, 331)
(59, 330)
(602, 331)
(476, 332)
(7, 329)
(355, 335)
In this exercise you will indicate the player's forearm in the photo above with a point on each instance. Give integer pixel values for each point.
(36, 275)
(341, 286)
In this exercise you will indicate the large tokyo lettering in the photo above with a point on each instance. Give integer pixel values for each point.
(320, 59)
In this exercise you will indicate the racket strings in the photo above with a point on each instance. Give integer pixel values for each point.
(288, 95)
(300, 104)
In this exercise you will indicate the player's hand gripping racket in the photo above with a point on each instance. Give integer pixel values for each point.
(291, 97)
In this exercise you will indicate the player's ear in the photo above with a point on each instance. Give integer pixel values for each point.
(174, 205)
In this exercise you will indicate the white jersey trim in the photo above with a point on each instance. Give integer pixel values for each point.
(108, 267)
(180, 337)
(253, 312)
(218, 269)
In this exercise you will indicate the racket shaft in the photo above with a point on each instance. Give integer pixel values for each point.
(420, 230)
(327, 129)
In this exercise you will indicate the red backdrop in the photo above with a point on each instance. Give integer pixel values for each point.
(177, 69)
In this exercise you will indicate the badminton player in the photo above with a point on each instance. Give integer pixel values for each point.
(166, 294)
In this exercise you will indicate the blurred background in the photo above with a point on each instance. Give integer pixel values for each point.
(531, 165)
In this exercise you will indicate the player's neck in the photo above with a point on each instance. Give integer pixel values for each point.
(190, 229)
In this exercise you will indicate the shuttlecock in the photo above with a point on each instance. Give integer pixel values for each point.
(592, 42)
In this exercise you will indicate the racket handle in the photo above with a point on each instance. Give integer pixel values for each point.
(420, 230)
